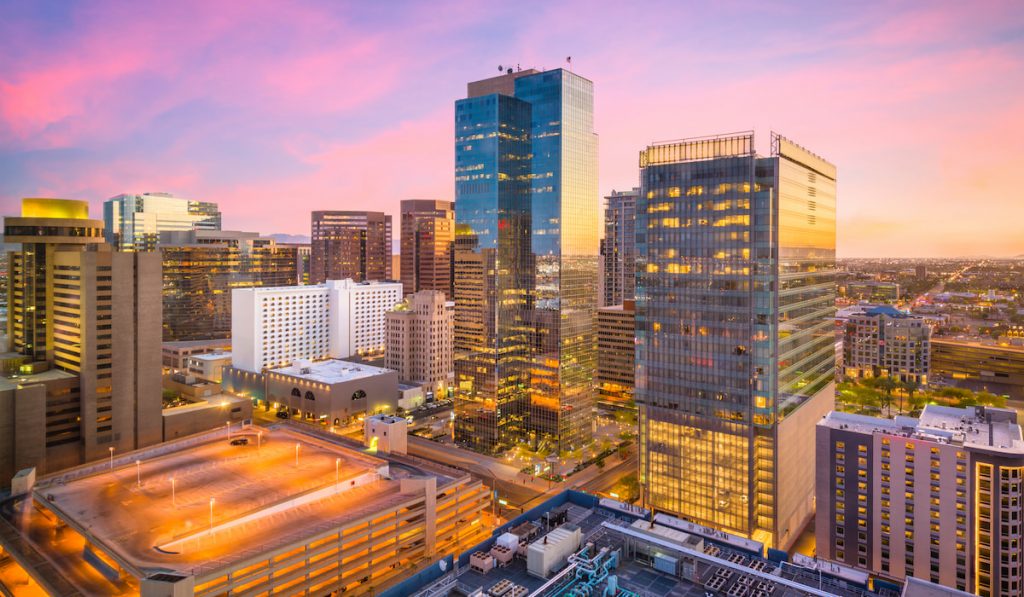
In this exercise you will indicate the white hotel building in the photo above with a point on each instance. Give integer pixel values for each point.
(273, 327)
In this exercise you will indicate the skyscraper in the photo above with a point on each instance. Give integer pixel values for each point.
(200, 269)
(91, 377)
(619, 247)
(134, 222)
(45, 226)
(735, 330)
(428, 238)
(350, 244)
(526, 214)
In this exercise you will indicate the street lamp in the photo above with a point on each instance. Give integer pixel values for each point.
(228, 425)
(259, 441)
(111, 448)
(138, 473)
(337, 472)
(211, 514)
(174, 501)
(296, 453)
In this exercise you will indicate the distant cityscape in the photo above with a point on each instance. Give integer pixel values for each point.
(678, 390)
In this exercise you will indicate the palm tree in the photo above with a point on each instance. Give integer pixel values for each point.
(910, 386)
(888, 384)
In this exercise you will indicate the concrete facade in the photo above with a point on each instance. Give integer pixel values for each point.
(420, 332)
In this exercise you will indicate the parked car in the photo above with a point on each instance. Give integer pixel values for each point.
(282, 414)
(240, 441)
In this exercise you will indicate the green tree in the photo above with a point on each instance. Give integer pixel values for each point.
(888, 384)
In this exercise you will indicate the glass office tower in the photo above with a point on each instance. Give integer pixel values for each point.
(619, 247)
(350, 244)
(735, 315)
(526, 202)
(134, 222)
(428, 236)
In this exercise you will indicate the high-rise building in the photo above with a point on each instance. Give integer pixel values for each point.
(200, 269)
(419, 339)
(428, 239)
(134, 222)
(886, 341)
(616, 354)
(619, 247)
(350, 244)
(936, 498)
(90, 382)
(302, 253)
(735, 314)
(274, 327)
(45, 226)
(526, 208)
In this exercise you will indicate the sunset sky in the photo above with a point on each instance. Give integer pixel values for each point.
(276, 109)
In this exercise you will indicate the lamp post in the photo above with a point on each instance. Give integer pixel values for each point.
(211, 514)
(337, 472)
(111, 448)
(228, 425)
(259, 441)
(138, 473)
(296, 454)
(174, 500)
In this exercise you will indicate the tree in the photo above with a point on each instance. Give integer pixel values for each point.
(910, 386)
(888, 384)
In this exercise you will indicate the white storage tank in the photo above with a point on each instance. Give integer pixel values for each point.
(552, 550)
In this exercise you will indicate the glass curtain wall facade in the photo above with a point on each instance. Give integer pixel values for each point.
(200, 270)
(735, 310)
(565, 246)
(530, 136)
(493, 273)
(619, 248)
(350, 244)
(134, 222)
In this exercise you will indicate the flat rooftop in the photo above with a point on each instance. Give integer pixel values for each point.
(330, 371)
(262, 497)
(180, 344)
(34, 378)
(211, 356)
(980, 427)
(217, 401)
(717, 568)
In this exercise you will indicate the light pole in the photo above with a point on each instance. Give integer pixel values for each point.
(111, 448)
(296, 454)
(259, 441)
(174, 500)
(211, 514)
(138, 473)
(337, 472)
(228, 425)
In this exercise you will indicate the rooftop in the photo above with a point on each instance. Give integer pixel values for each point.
(331, 371)
(980, 427)
(211, 356)
(218, 401)
(207, 503)
(34, 378)
(179, 344)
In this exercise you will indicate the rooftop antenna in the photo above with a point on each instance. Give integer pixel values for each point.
(501, 68)
(568, 60)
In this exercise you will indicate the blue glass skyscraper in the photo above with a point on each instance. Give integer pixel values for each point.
(526, 208)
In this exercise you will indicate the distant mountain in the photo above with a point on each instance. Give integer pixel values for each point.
(290, 238)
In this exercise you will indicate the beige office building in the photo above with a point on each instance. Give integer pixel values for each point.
(937, 498)
(419, 339)
(91, 379)
(616, 354)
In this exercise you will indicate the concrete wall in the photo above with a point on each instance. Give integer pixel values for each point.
(187, 420)
(335, 400)
(795, 466)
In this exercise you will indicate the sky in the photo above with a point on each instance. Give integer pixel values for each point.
(275, 109)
